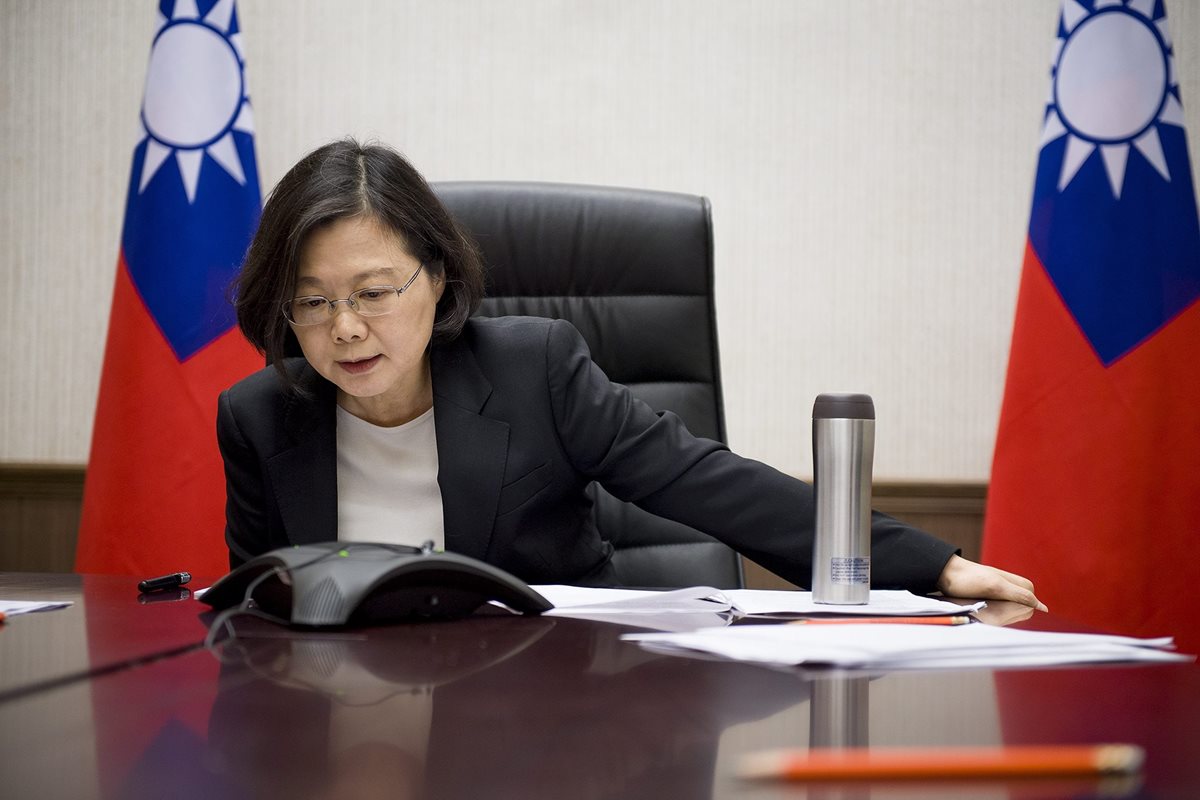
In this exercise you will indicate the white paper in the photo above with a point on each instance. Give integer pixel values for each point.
(570, 600)
(891, 647)
(880, 603)
(649, 620)
(13, 607)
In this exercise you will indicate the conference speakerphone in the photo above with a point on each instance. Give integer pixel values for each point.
(333, 584)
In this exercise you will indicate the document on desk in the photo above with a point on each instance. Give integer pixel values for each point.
(704, 606)
(743, 602)
(11, 608)
(678, 610)
(905, 647)
(568, 599)
(880, 603)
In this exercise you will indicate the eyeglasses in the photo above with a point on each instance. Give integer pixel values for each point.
(373, 301)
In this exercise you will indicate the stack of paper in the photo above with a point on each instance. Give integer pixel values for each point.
(632, 601)
(679, 610)
(13, 607)
(686, 609)
(905, 647)
(882, 603)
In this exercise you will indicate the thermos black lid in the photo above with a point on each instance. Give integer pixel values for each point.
(843, 406)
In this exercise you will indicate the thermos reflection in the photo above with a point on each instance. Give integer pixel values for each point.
(843, 449)
(839, 717)
(839, 712)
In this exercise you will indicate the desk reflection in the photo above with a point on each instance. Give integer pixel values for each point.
(499, 708)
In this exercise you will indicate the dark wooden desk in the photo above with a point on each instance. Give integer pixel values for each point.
(503, 707)
(106, 628)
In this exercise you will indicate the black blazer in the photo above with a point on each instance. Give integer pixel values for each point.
(524, 422)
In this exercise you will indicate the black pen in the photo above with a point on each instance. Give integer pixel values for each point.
(165, 582)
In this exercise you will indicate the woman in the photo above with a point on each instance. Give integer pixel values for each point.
(407, 420)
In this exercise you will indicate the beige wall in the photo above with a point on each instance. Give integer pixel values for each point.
(870, 164)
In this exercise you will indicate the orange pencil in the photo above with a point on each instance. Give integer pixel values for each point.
(929, 763)
(956, 620)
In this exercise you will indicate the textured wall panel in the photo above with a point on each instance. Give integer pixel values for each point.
(870, 165)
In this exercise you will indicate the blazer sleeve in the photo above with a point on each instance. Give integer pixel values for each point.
(652, 460)
(245, 515)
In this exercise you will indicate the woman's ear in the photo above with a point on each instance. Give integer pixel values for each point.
(439, 283)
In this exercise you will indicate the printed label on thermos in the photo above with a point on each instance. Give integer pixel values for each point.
(850, 571)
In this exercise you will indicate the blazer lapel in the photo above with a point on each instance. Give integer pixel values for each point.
(472, 449)
(305, 476)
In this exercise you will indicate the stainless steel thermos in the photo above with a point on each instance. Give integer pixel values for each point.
(843, 449)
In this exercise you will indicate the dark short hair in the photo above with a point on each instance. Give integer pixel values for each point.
(342, 180)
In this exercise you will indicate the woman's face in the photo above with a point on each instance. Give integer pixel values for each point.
(378, 363)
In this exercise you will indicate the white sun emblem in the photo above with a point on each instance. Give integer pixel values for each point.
(1111, 87)
(195, 95)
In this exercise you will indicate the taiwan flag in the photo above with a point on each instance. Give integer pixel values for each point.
(1095, 489)
(154, 495)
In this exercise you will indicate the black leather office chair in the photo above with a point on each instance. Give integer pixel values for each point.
(633, 271)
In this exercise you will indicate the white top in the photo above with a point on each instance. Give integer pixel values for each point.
(387, 482)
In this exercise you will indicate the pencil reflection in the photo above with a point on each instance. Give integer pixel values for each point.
(1109, 788)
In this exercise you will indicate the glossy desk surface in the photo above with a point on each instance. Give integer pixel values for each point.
(52, 647)
(114, 698)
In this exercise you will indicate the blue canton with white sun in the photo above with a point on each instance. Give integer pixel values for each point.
(1114, 212)
(194, 198)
